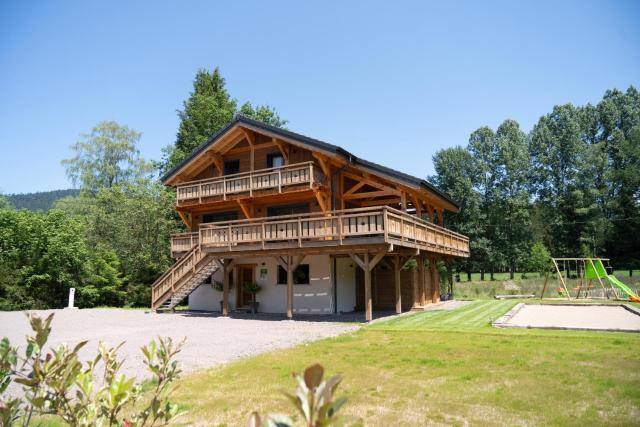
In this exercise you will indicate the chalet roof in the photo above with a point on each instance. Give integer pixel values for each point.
(313, 144)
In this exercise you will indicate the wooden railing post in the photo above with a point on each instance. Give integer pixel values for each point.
(311, 175)
(279, 180)
(224, 188)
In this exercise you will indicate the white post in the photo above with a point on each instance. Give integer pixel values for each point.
(72, 294)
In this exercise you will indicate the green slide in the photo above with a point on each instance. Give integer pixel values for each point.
(624, 288)
(601, 272)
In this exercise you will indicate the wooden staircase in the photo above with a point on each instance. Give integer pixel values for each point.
(189, 272)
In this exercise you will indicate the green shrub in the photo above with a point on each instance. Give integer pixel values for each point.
(57, 384)
(314, 400)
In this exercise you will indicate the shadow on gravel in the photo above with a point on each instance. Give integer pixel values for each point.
(353, 317)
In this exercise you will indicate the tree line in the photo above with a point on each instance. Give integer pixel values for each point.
(570, 187)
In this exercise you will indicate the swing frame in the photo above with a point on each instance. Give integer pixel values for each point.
(580, 268)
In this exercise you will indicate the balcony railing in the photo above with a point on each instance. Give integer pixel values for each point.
(183, 242)
(245, 184)
(352, 226)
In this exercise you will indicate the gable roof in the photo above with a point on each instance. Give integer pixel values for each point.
(313, 144)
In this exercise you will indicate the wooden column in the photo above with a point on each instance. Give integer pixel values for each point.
(289, 287)
(428, 283)
(368, 304)
(421, 279)
(435, 280)
(367, 264)
(289, 263)
(414, 285)
(227, 265)
(397, 268)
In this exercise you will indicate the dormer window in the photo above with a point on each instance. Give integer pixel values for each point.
(275, 160)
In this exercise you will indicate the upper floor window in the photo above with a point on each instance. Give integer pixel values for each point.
(231, 167)
(302, 208)
(220, 216)
(275, 160)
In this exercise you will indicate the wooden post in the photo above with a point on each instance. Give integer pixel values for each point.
(225, 288)
(421, 279)
(435, 280)
(396, 276)
(289, 286)
(428, 282)
(367, 289)
(415, 285)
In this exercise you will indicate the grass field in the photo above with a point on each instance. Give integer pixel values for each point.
(441, 367)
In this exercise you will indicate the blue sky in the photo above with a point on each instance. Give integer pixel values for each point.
(392, 82)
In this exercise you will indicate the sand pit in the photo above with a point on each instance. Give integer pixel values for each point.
(566, 316)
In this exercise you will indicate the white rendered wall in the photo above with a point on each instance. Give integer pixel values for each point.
(314, 298)
(346, 275)
(205, 298)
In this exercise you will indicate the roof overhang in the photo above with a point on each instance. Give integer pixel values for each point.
(333, 151)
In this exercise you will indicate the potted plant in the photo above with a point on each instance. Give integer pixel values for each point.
(218, 286)
(252, 288)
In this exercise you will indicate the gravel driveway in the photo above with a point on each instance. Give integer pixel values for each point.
(210, 339)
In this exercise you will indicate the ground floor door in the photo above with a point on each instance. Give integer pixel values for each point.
(246, 274)
(383, 293)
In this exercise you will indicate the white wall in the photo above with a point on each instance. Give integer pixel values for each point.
(205, 298)
(346, 275)
(314, 298)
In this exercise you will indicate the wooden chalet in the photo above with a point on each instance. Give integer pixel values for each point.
(321, 230)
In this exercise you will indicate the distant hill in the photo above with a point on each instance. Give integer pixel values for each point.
(40, 201)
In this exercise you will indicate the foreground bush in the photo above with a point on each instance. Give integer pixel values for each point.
(313, 400)
(57, 384)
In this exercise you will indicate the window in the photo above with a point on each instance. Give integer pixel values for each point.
(288, 210)
(300, 275)
(231, 167)
(220, 216)
(275, 160)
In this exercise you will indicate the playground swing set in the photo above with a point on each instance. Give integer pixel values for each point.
(589, 273)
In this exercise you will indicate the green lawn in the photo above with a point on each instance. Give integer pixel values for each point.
(442, 368)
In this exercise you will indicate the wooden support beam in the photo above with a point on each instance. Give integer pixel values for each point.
(283, 149)
(380, 202)
(397, 268)
(217, 161)
(290, 286)
(368, 304)
(428, 282)
(245, 209)
(422, 281)
(186, 218)
(367, 264)
(322, 202)
(353, 189)
(227, 265)
(430, 213)
(324, 164)
(403, 201)
(417, 204)
(435, 280)
(368, 195)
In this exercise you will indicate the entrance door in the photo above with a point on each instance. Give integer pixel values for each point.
(245, 275)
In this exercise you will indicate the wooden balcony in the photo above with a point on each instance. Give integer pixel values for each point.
(182, 243)
(247, 184)
(340, 229)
